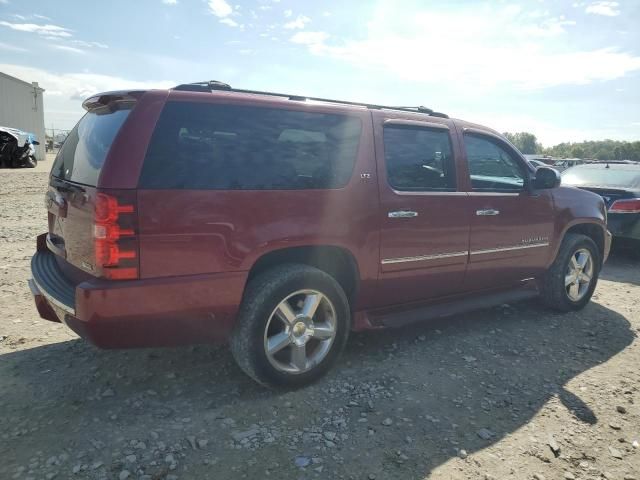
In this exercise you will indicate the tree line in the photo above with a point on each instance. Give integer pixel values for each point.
(527, 143)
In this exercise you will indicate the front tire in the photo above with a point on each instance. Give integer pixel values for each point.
(572, 278)
(293, 324)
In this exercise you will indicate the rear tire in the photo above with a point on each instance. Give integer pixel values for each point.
(572, 278)
(293, 324)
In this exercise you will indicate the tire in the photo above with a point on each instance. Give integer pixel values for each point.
(262, 320)
(32, 162)
(555, 292)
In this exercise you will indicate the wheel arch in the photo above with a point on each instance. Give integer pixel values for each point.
(339, 262)
(594, 230)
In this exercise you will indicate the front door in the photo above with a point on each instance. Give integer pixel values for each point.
(511, 225)
(424, 222)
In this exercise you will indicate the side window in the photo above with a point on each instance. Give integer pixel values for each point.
(227, 147)
(491, 167)
(419, 159)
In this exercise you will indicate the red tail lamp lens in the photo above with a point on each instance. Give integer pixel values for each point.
(108, 209)
(115, 239)
(631, 205)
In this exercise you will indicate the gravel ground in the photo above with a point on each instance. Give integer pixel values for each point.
(512, 392)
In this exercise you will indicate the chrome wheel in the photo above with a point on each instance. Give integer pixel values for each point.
(579, 274)
(300, 331)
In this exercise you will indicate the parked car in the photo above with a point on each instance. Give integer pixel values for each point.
(537, 163)
(281, 223)
(567, 163)
(618, 183)
(17, 148)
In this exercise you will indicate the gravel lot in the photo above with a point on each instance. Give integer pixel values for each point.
(514, 392)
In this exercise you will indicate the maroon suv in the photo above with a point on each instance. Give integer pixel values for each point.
(280, 223)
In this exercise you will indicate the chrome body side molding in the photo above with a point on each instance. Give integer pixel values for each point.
(421, 258)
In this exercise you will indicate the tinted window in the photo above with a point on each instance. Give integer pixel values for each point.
(418, 159)
(83, 153)
(225, 147)
(492, 167)
(614, 176)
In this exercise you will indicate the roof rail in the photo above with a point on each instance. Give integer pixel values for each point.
(211, 85)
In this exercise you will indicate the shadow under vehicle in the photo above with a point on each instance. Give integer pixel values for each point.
(439, 382)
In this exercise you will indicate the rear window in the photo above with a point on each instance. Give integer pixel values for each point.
(227, 147)
(605, 177)
(419, 159)
(83, 153)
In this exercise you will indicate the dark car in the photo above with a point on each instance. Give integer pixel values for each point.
(281, 223)
(618, 183)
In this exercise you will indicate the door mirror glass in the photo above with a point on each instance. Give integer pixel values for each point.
(546, 177)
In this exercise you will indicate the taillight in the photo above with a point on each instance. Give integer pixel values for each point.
(115, 235)
(630, 205)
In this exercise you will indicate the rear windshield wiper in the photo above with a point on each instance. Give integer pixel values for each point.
(63, 186)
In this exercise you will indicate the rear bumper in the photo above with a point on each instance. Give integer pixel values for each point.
(138, 313)
(624, 225)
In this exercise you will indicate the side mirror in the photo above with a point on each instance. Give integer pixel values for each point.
(35, 142)
(546, 177)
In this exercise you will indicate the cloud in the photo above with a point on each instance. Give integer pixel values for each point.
(288, 12)
(220, 8)
(54, 33)
(550, 132)
(315, 41)
(67, 48)
(170, 2)
(11, 48)
(82, 43)
(35, 15)
(608, 9)
(64, 92)
(48, 30)
(298, 23)
(478, 49)
(229, 21)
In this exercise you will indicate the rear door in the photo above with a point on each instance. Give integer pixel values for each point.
(70, 198)
(511, 225)
(424, 223)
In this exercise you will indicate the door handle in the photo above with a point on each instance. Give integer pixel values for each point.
(402, 214)
(487, 212)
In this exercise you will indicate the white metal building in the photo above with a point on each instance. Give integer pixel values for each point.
(21, 107)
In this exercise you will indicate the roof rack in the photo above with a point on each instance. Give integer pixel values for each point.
(211, 85)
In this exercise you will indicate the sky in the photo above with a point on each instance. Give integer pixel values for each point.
(563, 70)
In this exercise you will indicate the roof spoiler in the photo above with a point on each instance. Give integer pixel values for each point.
(110, 101)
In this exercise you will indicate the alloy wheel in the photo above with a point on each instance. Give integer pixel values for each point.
(579, 274)
(300, 331)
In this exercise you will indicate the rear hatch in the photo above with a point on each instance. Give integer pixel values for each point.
(87, 225)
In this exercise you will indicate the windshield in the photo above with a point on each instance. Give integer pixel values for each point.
(83, 153)
(606, 177)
